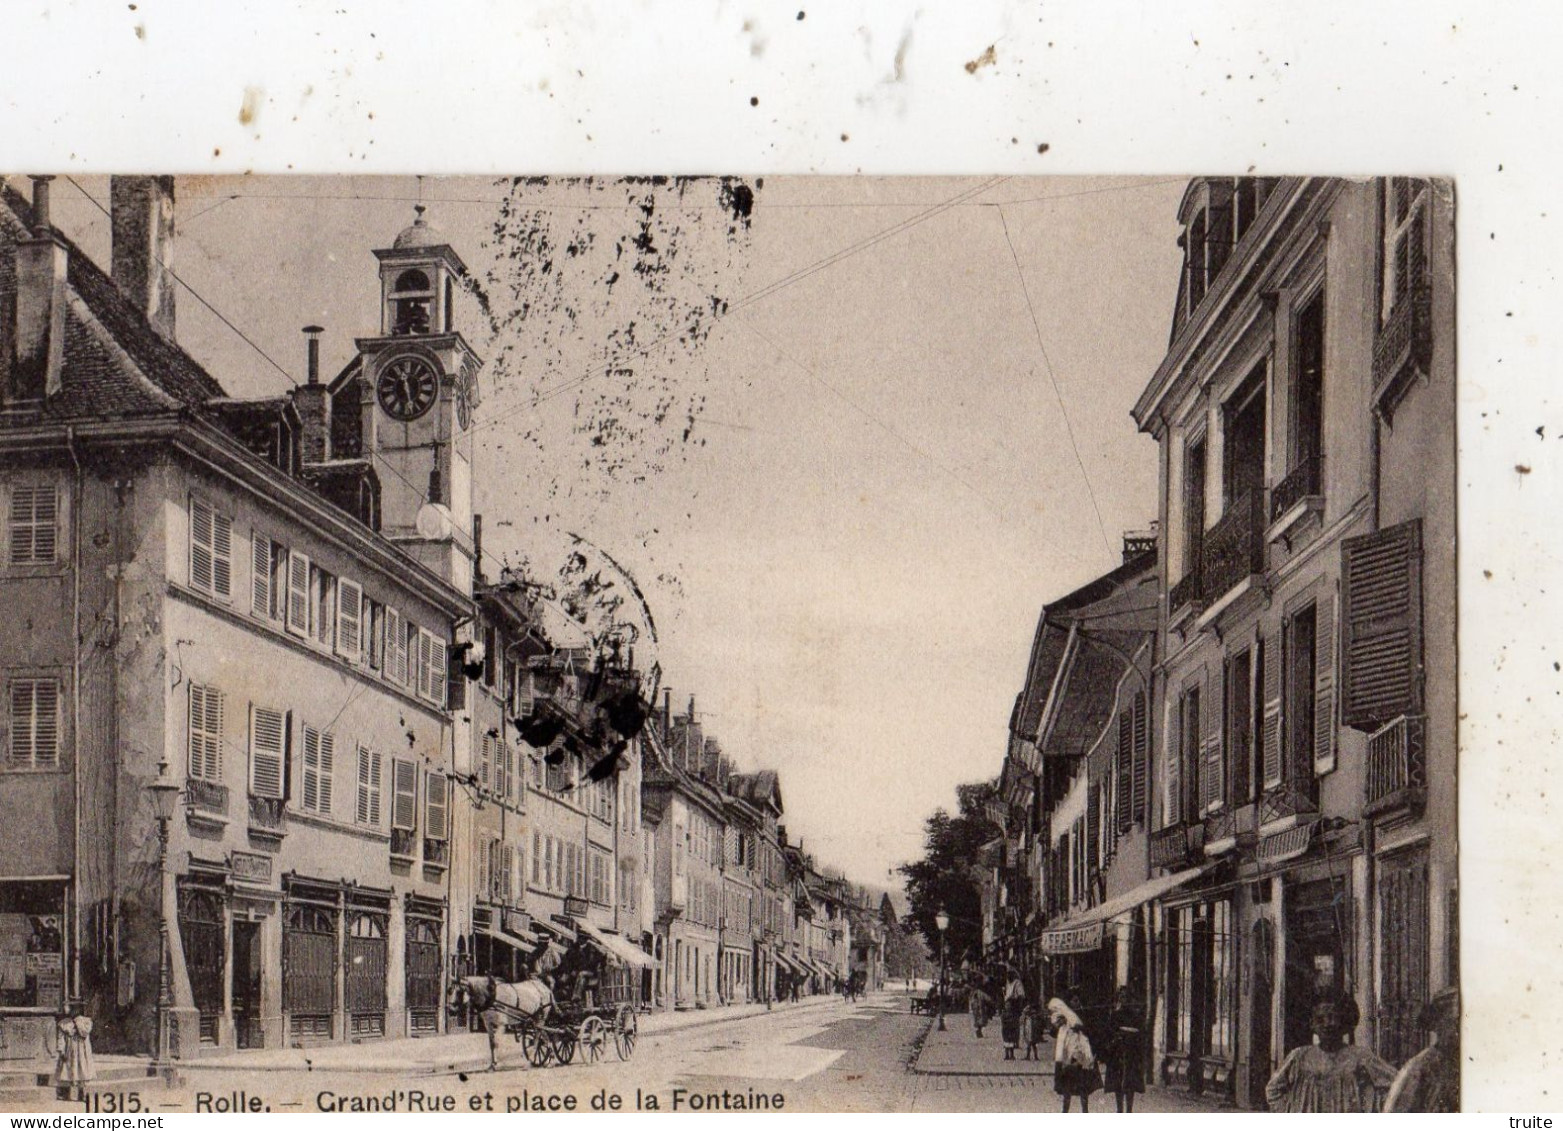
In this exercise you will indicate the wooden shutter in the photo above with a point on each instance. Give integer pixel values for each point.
(1270, 728)
(1140, 756)
(1125, 772)
(485, 760)
(1212, 769)
(312, 769)
(368, 811)
(298, 593)
(222, 555)
(260, 574)
(1093, 827)
(1381, 638)
(35, 723)
(327, 770)
(268, 751)
(439, 669)
(395, 646)
(1172, 787)
(206, 728)
(201, 564)
(349, 619)
(34, 524)
(436, 801)
(1324, 686)
(404, 795)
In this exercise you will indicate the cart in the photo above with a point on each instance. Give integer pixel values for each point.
(595, 1004)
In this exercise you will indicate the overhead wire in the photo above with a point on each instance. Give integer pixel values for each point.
(1053, 378)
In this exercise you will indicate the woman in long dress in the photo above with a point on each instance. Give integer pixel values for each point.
(1012, 1006)
(1125, 1052)
(1074, 1063)
(1330, 1076)
(981, 1006)
(74, 1068)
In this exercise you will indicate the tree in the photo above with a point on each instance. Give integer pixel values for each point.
(906, 954)
(945, 878)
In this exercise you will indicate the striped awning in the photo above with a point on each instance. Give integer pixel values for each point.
(616, 946)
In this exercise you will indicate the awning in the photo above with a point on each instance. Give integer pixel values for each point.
(1083, 932)
(558, 930)
(524, 941)
(616, 946)
(790, 962)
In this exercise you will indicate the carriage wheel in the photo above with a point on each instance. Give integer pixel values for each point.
(564, 1045)
(625, 1028)
(535, 1045)
(593, 1039)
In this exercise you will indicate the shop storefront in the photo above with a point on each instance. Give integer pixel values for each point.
(32, 961)
(1199, 1001)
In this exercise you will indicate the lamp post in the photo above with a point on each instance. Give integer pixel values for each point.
(165, 798)
(942, 921)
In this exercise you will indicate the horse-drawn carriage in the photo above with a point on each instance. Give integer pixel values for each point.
(585, 1002)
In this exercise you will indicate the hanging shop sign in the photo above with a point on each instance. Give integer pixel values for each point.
(1072, 940)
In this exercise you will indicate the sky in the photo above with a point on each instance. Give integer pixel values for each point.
(900, 455)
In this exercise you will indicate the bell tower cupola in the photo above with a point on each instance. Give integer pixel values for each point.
(419, 390)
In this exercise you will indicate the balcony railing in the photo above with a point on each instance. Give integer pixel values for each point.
(1176, 845)
(1234, 547)
(1300, 483)
(207, 796)
(1186, 592)
(404, 843)
(1397, 768)
(1407, 335)
(436, 852)
(267, 814)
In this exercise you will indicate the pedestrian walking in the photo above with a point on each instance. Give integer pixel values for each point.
(1430, 1080)
(1074, 1062)
(1124, 1054)
(981, 1005)
(1013, 1005)
(1031, 1031)
(73, 1066)
(1330, 1076)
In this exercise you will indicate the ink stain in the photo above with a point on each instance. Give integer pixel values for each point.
(986, 59)
(1043, 147)
(1522, 469)
(754, 101)
(250, 107)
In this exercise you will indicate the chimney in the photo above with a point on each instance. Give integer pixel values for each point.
(313, 402)
(39, 343)
(142, 246)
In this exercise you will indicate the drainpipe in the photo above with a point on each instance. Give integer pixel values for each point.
(75, 908)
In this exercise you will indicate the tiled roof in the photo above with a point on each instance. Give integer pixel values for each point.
(116, 364)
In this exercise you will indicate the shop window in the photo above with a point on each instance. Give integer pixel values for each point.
(32, 946)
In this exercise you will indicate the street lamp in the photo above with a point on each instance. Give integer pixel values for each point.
(942, 921)
(165, 799)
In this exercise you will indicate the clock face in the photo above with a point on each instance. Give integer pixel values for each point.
(407, 388)
(464, 408)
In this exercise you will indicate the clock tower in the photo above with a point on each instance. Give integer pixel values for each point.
(419, 389)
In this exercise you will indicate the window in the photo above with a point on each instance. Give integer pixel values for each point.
(436, 805)
(33, 524)
(485, 761)
(1308, 385)
(1243, 466)
(211, 549)
(537, 857)
(548, 863)
(319, 767)
(1194, 262)
(369, 783)
(1405, 240)
(1381, 623)
(490, 659)
(268, 752)
(374, 635)
(349, 620)
(35, 724)
(1193, 506)
(322, 606)
(404, 796)
(206, 733)
(513, 780)
(431, 668)
(268, 577)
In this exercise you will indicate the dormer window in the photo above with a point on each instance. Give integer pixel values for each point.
(412, 303)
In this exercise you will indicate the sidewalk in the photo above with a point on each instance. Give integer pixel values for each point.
(958, 1052)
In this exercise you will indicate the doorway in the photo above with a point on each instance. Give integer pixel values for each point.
(247, 1030)
(1318, 928)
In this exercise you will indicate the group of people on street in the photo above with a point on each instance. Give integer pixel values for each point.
(1331, 1074)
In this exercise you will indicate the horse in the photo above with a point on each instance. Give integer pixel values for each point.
(502, 1003)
